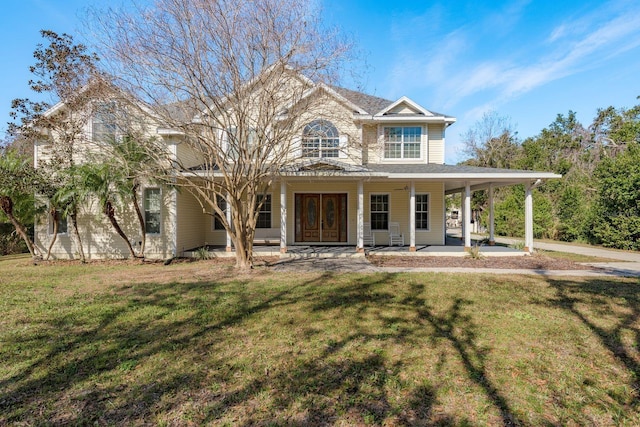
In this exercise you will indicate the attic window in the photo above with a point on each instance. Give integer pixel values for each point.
(103, 124)
(320, 138)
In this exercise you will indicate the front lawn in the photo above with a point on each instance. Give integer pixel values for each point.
(196, 343)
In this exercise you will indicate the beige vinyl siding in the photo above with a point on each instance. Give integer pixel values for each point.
(399, 209)
(371, 148)
(403, 108)
(327, 108)
(192, 222)
(435, 235)
(100, 240)
(436, 144)
(376, 149)
(219, 237)
(187, 156)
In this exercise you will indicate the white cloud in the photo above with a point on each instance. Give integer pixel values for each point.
(570, 50)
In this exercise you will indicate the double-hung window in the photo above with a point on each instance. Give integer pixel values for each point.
(402, 142)
(320, 138)
(61, 221)
(103, 123)
(264, 215)
(422, 211)
(217, 221)
(152, 210)
(379, 211)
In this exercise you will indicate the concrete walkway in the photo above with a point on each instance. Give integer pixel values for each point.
(627, 263)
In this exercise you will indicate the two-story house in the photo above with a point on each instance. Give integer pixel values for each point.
(375, 176)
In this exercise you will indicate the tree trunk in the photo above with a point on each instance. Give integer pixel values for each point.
(54, 215)
(143, 231)
(74, 221)
(6, 204)
(110, 212)
(243, 242)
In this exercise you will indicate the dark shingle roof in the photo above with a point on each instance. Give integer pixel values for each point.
(438, 168)
(371, 104)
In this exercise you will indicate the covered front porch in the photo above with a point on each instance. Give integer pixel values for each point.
(454, 247)
(328, 208)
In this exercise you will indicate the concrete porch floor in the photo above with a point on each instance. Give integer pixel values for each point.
(454, 247)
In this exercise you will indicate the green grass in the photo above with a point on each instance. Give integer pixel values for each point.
(192, 344)
(575, 257)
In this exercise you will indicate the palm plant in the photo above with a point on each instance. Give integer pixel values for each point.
(69, 197)
(18, 183)
(109, 186)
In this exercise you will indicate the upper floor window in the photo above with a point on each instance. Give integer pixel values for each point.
(402, 142)
(320, 138)
(103, 123)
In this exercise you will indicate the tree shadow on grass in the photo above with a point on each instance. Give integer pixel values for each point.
(93, 372)
(591, 301)
(76, 354)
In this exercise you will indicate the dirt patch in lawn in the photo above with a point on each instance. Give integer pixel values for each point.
(533, 262)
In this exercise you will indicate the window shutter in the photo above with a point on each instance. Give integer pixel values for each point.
(296, 148)
(344, 146)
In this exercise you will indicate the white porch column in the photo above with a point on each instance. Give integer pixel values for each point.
(528, 219)
(492, 238)
(283, 217)
(412, 217)
(228, 214)
(360, 218)
(467, 216)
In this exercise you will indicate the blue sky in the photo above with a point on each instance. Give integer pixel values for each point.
(528, 60)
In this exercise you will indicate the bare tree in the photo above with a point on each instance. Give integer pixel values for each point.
(235, 80)
(491, 142)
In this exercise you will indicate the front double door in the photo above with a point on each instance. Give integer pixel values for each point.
(321, 218)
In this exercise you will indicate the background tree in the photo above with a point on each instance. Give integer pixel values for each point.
(19, 182)
(492, 142)
(66, 83)
(220, 73)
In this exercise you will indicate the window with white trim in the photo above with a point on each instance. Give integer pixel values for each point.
(264, 215)
(152, 210)
(61, 219)
(320, 138)
(217, 221)
(422, 211)
(103, 123)
(402, 142)
(379, 211)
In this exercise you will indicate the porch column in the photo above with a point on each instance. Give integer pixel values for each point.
(462, 223)
(283, 217)
(467, 216)
(228, 213)
(360, 218)
(492, 238)
(412, 217)
(528, 219)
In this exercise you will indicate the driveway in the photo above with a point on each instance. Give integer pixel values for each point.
(629, 264)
